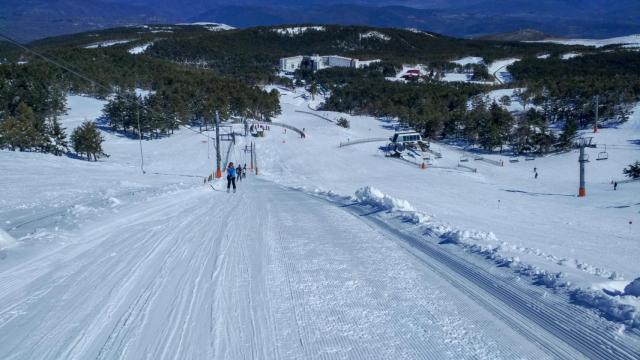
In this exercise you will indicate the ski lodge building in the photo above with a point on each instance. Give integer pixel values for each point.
(317, 62)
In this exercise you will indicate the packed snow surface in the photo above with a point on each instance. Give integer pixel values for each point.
(498, 69)
(452, 77)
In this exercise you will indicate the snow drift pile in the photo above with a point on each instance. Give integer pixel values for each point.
(6, 240)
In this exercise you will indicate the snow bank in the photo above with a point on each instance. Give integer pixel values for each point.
(6, 240)
(633, 288)
(624, 308)
(621, 308)
(372, 196)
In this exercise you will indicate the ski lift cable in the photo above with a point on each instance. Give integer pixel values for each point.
(59, 63)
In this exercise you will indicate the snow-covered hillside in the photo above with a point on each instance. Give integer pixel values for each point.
(631, 41)
(330, 252)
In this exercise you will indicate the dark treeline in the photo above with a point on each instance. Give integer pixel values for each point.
(252, 54)
(32, 95)
(31, 99)
(567, 89)
(162, 112)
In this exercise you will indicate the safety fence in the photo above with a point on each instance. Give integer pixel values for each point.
(282, 125)
(316, 115)
(362, 141)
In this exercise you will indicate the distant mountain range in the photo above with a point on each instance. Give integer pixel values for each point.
(31, 19)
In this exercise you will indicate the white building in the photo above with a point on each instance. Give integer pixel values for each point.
(359, 64)
(291, 64)
(317, 62)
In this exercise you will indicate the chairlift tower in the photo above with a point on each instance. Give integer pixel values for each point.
(583, 159)
(218, 158)
(595, 126)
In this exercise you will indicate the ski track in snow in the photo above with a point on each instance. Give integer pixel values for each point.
(181, 277)
(185, 277)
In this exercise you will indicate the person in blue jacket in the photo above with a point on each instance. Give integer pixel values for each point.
(231, 177)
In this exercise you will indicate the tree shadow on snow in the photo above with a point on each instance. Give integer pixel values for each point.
(536, 193)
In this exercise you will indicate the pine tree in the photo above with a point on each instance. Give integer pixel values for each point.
(58, 144)
(633, 170)
(569, 133)
(20, 132)
(86, 139)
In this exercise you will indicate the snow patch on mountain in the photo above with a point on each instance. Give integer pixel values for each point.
(299, 30)
(414, 30)
(468, 60)
(107, 43)
(631, 41)
(570, 55)
(375, 35)
(211, 26)
(140, 49)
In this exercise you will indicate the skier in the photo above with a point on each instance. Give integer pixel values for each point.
(615, 186)
(536, 175)
(244, 171)
(239, 172)
(231, 177)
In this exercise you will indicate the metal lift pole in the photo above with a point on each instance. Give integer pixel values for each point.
(218, 157)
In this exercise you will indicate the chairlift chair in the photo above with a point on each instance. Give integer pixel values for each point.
(603, 155)
(477, 157)
(464, 159)
(514, 159)
(529, 158)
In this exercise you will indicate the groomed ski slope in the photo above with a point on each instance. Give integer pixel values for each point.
(252, 275)
(112, 264)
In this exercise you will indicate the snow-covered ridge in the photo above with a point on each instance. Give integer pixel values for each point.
(376, 35)
(299, 30)
(626, 41)
(107, 43)
(414, 30)
(211, 26)
(622, 306)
